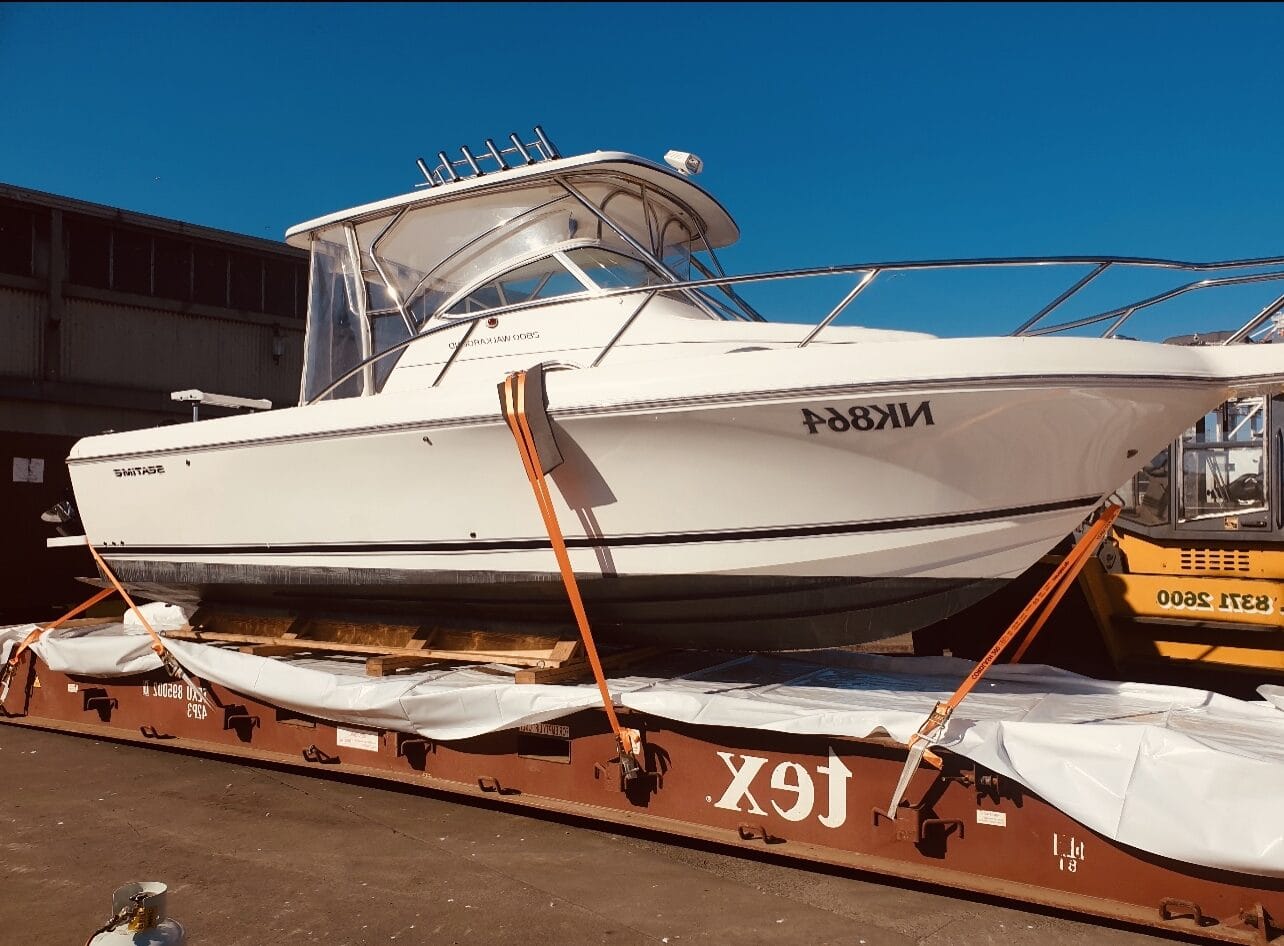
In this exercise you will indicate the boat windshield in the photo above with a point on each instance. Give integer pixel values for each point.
(545, 278)
(376, 282)
(565, 272)
(609, 270)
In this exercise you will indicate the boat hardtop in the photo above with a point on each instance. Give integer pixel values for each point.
(714, 221)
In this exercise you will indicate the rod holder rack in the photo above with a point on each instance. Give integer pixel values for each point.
(470, 164)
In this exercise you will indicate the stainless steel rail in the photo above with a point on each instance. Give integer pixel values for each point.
(838, 309)
(1251, 325)
(869, 271)
(1123, 313)
(383, 274)
(637, 247)
(1047, 309)
(622, 329)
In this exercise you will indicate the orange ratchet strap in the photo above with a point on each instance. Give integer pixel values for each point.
(6, 673)
(163, 652)
(513, 403)
(1073, 564)
(116, 585)
(1051, 592)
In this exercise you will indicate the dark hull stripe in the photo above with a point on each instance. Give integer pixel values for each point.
(620, 541)
(918, 386)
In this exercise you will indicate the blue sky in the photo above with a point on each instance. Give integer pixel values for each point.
(833, 133)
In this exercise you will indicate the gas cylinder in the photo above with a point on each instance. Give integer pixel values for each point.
(138, 919)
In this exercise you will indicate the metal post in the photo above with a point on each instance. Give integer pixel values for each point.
(545, 145)
(455, 354)
(472, 161)
(359, 290)
(447, 166)
(387, 282)
(521, 148)
(1047, 309)
(494, 153)
(838, 309)
(623, 328)
(1118, 323)
(1255, 321)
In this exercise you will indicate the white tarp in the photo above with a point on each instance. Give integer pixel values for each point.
(1183, 773)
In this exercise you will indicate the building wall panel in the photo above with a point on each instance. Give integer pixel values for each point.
(22, 318)
(131, 346)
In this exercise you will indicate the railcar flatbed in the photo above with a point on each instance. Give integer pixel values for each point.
(811, 796)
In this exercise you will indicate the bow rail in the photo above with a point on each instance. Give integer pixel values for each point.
(869, 272)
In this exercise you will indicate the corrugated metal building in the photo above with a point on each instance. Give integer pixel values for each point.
(103, 313)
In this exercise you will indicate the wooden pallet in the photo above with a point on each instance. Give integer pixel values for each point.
(579, 669)
(393, 645)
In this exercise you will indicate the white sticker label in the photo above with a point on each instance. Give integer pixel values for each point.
(73, 687)
(998, 818)
(355, 739)
(28, 469)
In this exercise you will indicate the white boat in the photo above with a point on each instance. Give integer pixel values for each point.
(728, 481)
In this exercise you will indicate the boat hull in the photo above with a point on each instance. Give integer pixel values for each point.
(702, 506)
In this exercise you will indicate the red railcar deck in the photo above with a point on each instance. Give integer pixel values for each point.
(814, 798)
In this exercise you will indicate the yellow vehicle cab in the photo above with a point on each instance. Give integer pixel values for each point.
(1194, 570)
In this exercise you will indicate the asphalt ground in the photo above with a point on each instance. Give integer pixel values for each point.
(256, 855)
